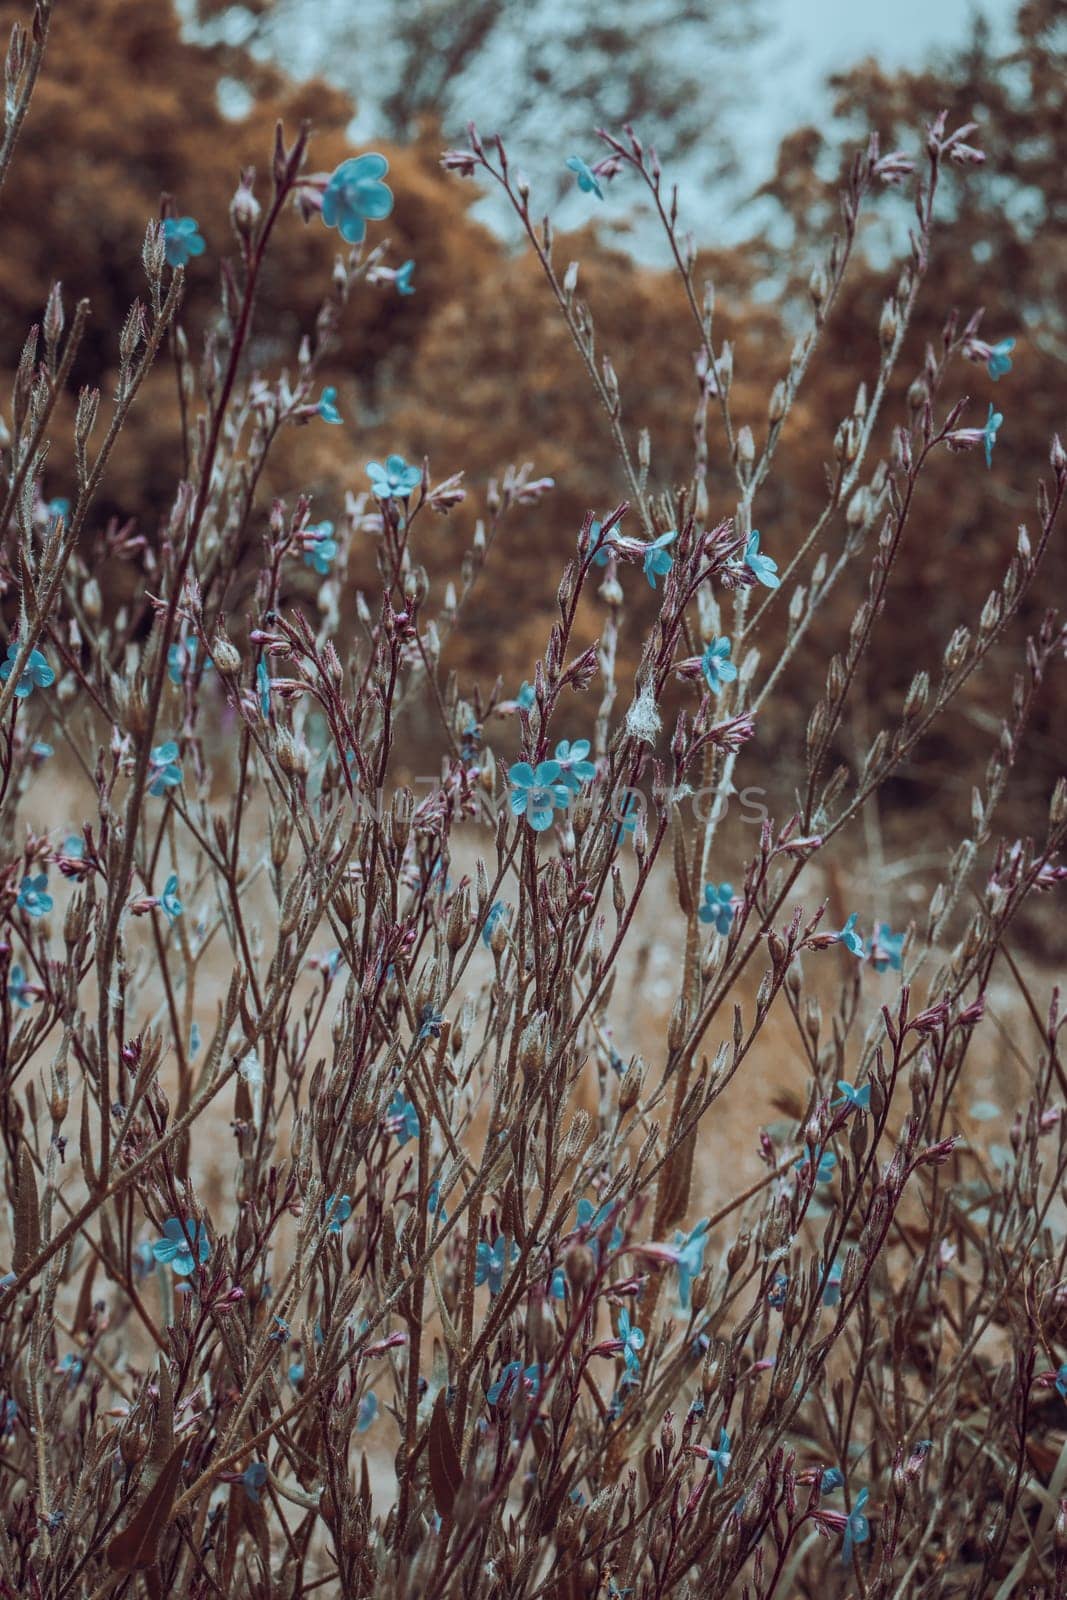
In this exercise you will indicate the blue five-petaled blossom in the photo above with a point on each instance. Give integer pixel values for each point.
(176, 1248)
(368, 1410)
(396, 480)
(338, 1211)
(860, 1099)
(885, 948)
(403, 1119)
(18, 988)
(824, 1162)
(765, 568)
(718, 907)
(33, 896)
(602, 551)
(589, 1216)
(253, 1478)
(402, 280)
(36, 672)
(181, 657)
(850, 938)
(181, 240)
(627, 819)
(720, 1458)
(716, 665)
(690, 1261)
(169, 902)
(536, 792)
(327, 406)
(989, 433)
(490, 1264)
(633, 1341)
(324, 549)
(497, 910)
(574, 766)
(526, 698)
(588, 181)
(507, 1385)
(164, 767)
(857, 1528)
(355, 195)
(657, 562)
(831, 1479)
(1000, 358)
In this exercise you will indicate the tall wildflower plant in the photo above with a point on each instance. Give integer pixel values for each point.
(388, 1280)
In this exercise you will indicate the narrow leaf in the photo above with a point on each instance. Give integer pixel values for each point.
(446, 1471)
(137, 1546)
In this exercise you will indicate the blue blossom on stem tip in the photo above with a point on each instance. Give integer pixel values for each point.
(536, 793)
(557, 1287)
(169, 903)
(602, 551)
(718, 907)
(777, 1292)
(355, 195)
(849, 1096)
(657, 562)
(765, 568)
(1000, 358)
(35, 674)
(627, 821)
(327, 406)
(831, 1291)
(574, 767)
(253, 1479)
(716, 666)
(824, 1162)
(321, 554)
(594, 1218)
(396, 480)
(588, 182)
(180, 1240)
(989, 433)
(181, 240)
(430, 1021)
(403, 1119)
(337, 1211)
(490, 1264)
(633, 1341)
(831, 1479)
(403, 277)
(165, 769)
(885, 948)
(690, 1263)
(41, 749)
(33, 897)
(368, 1410)
(720, 1459)
(857, 1528)
(526, 698)
(181, 657)
(507, 1385)
(850, 938)
(497, 910)
(18, 988)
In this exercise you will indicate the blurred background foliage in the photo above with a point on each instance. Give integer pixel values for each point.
(476, 369)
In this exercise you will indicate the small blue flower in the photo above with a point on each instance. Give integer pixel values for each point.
(181, 240)
(1000, 358)
(633, 1341)
(41, 750)
(537, 793)
(859, 1098)
(657, 562)
(588, 181)
(716, 666)
(178, 1243)
(34, 898)
(296, 1372)
(989, 433)
(885, 948)
(35, 674)
(181, 658)
(490, 1265)
(507, 1385)
(337, 1211)
(263, 690)
(526, 698)
(825, 1163)
(627, 822)
(324, 550)
(281, 1333)
(402, 280)
(57, 510)
(18, 988)
(602, 551)
(831, 1289)
(718, 907)
(574, 768)
(327, 406)
(558, 1285)
(165, 768)
(589, 1216)
(73, 1366)
(857, 1528)
(497, 910)
(403, 1119)
(764, 567)
(831, 1479)
(690, 1247)
(253, 1478)
(778, 1291)
(169, 902)
(74, 847)
(355, 195)
(720, 1459)
(430, 1021)
(850, 938)
(368, 1410)
(396, 480)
